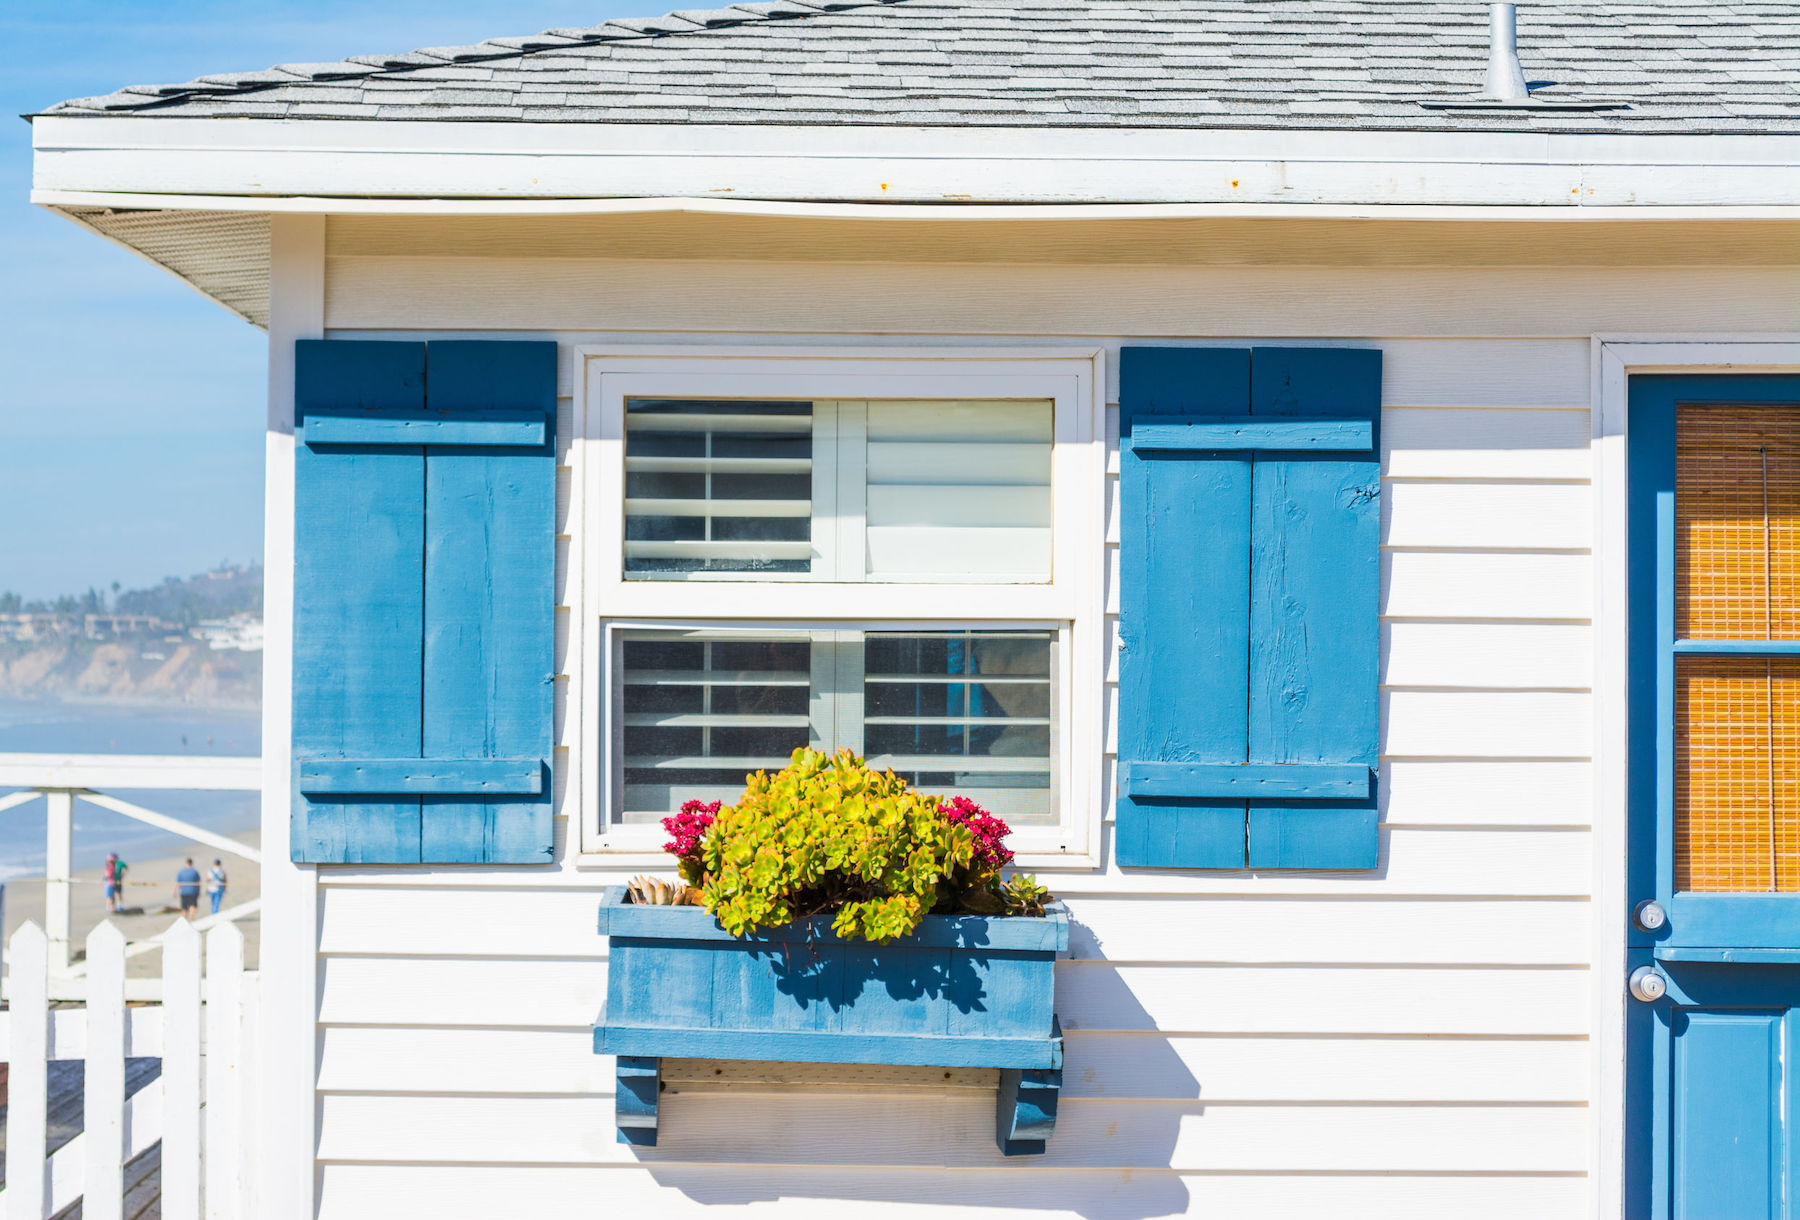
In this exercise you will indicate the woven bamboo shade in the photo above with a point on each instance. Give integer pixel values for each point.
(1737, 522)
(1737, 719)
(1737, 773)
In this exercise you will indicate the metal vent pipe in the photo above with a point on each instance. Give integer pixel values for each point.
(1505, 79)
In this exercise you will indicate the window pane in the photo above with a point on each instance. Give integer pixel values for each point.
(702, 709)
(717, 486)
(1737, 774)
(959, 491)
(1737, 522)
(937, 491)
(965, 712)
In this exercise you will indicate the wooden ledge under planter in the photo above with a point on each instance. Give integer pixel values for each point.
(960, 991)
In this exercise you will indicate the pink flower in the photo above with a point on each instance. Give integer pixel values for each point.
(689, 827)
(990, 832)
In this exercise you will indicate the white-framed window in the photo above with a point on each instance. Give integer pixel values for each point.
(898, 552)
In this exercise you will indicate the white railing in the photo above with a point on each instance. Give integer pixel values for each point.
(204, 1032)
(62, 779)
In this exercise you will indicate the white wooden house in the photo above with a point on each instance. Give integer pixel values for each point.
(890, 273)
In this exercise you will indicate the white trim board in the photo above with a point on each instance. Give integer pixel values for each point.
(1615, 358)
(911, 212)
(289, 954)
(403, 159)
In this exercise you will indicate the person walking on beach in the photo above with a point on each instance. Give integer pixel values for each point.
(187, 888)
(115, 883)
(215, 884)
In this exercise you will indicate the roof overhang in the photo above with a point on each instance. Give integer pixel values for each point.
(335, 159)
(193, 195)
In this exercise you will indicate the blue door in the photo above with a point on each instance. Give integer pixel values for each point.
(1714, 1027)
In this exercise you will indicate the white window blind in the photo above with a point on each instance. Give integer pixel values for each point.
(958, 491)
(959, 711)
(700, 709)
(718, 487)
(923, 491)
(969, 712)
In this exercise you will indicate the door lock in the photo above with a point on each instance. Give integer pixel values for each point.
(1649, 915)
(1648, 984)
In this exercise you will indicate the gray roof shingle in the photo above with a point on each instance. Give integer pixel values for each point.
(1683, 66)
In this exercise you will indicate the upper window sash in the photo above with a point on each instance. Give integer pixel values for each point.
(886, 491)
(1076, 504)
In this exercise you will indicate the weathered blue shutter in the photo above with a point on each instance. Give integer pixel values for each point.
(424, 553)
(1249, 602)
(1184, 607)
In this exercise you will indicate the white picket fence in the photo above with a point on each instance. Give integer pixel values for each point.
(60, 780)
(202, 1107)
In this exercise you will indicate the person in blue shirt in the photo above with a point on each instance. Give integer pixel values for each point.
(187, 889)
(215, 884)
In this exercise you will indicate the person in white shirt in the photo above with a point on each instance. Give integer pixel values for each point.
(215, 884)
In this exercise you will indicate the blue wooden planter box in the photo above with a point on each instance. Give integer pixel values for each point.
(961, 991)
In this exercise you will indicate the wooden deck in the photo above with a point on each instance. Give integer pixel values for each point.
(143, 1175)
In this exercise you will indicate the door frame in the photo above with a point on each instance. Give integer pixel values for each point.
(1614, 360)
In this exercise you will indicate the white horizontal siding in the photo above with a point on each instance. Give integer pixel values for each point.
(1124, 1066)
(955, 1129)
(1497, 584)
(1499, 656)
(651, 296)
(1484, 515)
(1337, 999)
(1437, 373)
(1510, 792)
(1215, 241)
(1466, 723)
(1245, 923)
(452, 1192)
(1487, 443)
(1486, 724)
(1526, 844)
(1405, 1042)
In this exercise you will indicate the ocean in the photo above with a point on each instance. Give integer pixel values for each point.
(51, 727)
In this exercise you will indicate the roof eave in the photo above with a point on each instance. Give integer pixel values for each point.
(297, 164)
(74, 201)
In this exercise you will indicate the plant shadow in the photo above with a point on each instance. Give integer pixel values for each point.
(930, 979)
(870, 1134)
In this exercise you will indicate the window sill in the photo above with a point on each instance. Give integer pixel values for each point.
(637, 858)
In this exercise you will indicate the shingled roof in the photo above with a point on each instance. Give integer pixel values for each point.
(1683, 66)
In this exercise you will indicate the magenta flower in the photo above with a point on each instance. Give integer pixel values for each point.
(991, 854)
(688, 828)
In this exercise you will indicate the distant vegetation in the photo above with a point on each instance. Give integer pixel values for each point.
(220, 593)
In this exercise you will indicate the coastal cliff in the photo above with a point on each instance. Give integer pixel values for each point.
(195, 640)
(186, 672)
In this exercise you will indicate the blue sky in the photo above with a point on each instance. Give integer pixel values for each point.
(131, 407)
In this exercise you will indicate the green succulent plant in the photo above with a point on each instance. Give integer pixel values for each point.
(830, 833)
(1022, 895)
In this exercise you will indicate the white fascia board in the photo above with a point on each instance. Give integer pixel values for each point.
(318, 205)
(330, 160)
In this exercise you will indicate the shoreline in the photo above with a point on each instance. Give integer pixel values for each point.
(150, 904)
(136, 705)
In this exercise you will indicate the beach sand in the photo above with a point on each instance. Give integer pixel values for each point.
(150, 903)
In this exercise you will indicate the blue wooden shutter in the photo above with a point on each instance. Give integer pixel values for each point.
(1249, 602)
(1184, 606)
(424, 561)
